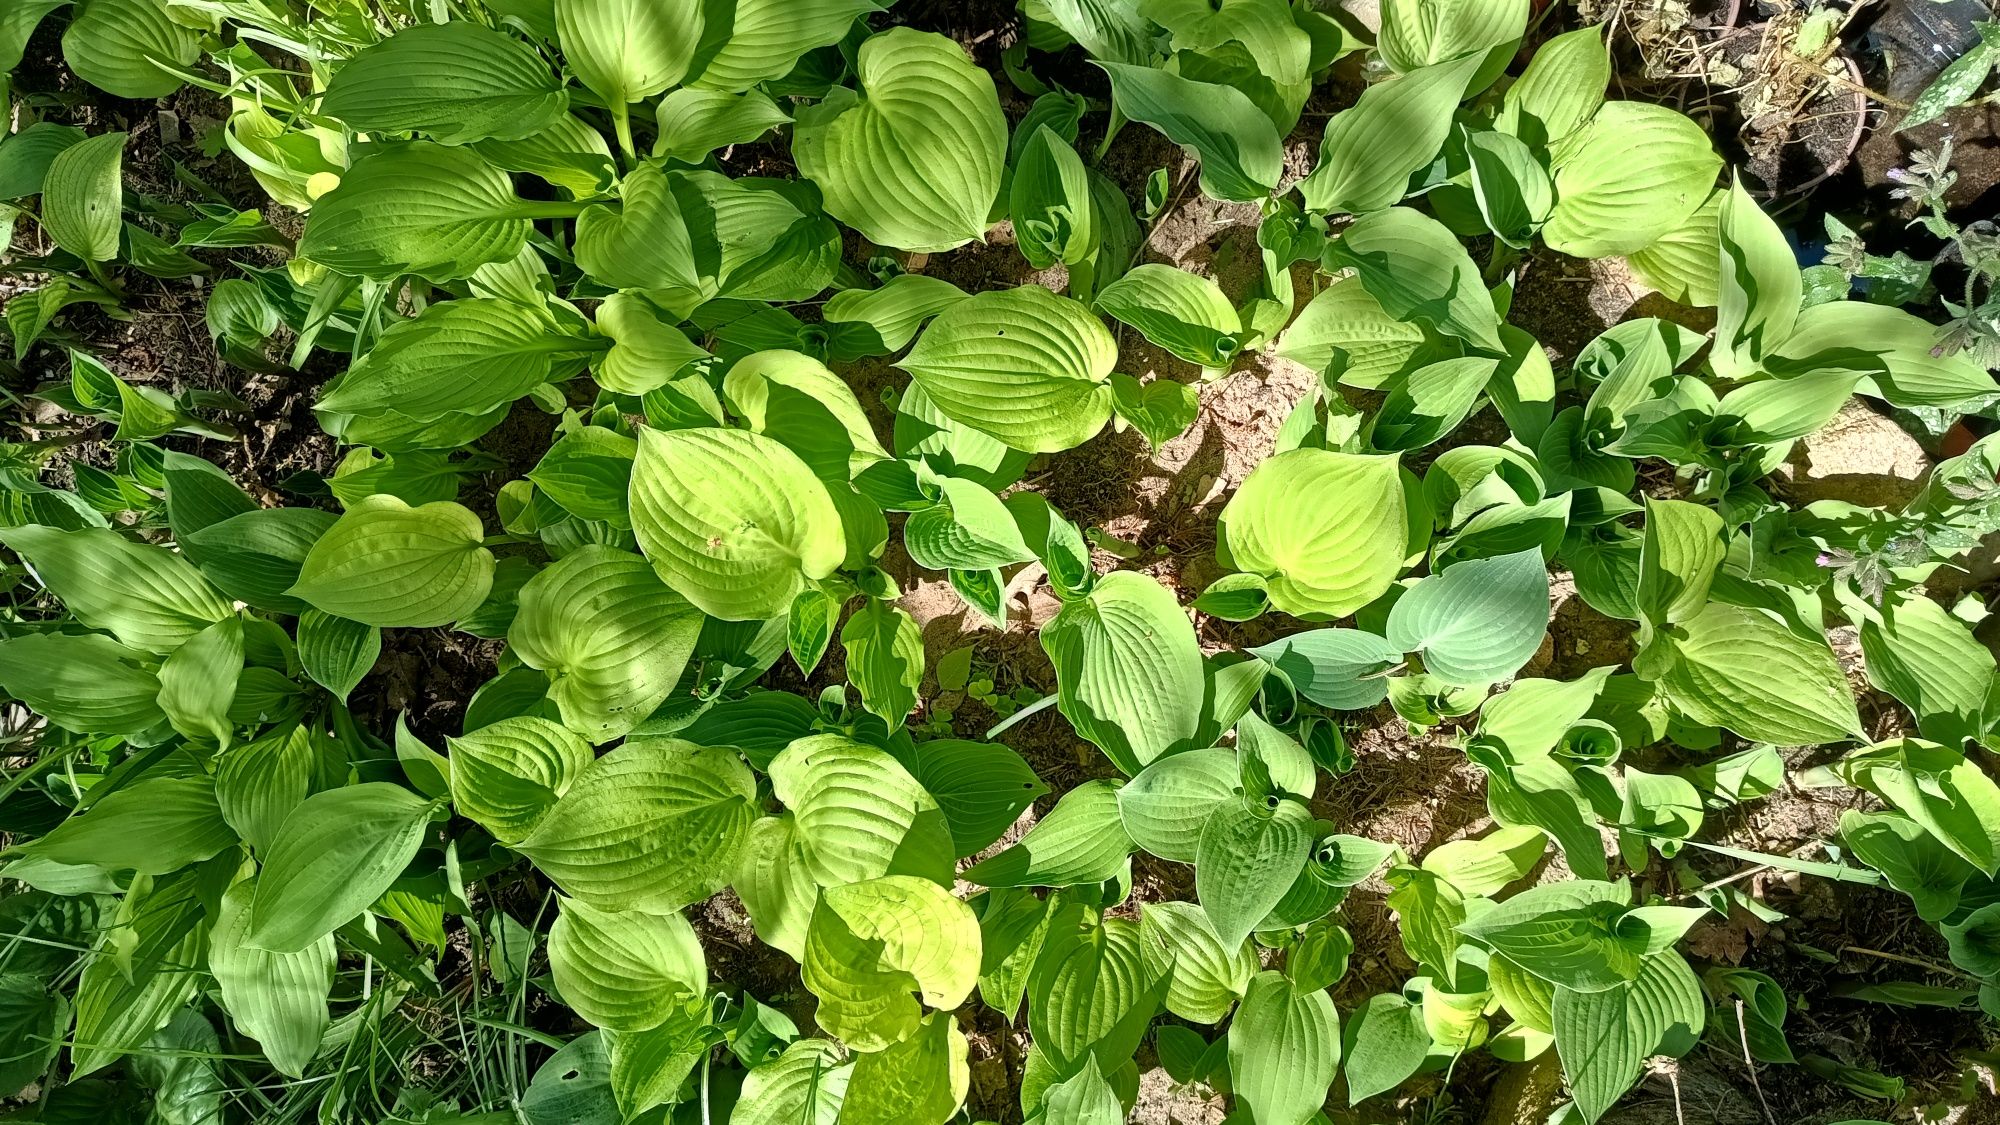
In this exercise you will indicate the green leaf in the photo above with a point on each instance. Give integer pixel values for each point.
(772, 880)
(1893, 348)
(767, 38)
(1564, 933)
(255, 556)
(335, 652)
(1478, 622)
(624, 971)
(87, 683)
(646, 242)
(1599, 1047)
(732, 521)
(1023, 365)
(1081, 841)
(654, 825)
(151, 827)
(278, 999)
(967, 529)
(1975, 942)
(120, 46)
(887, 319)
(1084, 1098)
(419, 208)
(1092, 990)
(1955, 85)
(1397, 126)
(1562, 87)
(387, 564)
(454, 82)
(1515, 194)
(1915, 650)
(1913, 860)
(1338, 668)
(982, 788)
(1427, 403)
(885, 659)
(146, 596)
(613, 638)
(1284, 1049)
(1683, 549)
(1332, 558)
(25, 156)
(858, 813)
(1186, 315)
(1418, 270)
(1743, 669)
(922, 1078)
(1682, 263)
(83, 195)
(259, 783)
(1250, 851)
(872, 945)
(1240, 151)
(1759, 287)
(795, 399)
(803, 1086)
(1207, 975)
(1386, 1042)
(1486, 865)
(198, 682)
(1631, 175)
(914, 161)
(508, 774)
(627, 50)
(1127, 669)
(691, 123)
(333, 857)
(1166, 805)
(1938, 788)
(647, 352)
(123, 998)
(1049, 202)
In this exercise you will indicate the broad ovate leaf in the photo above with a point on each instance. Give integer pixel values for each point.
(419, 208)
(506, 775)
(1284, 1048)
(624, 970)
(387, 564)
(857, 813)
(1240, 151)
(1744, 669)
(1023, 365)
(874, 949)
(278, 999)
(454, 82)
(1328, 557)
(1395, 128)
(148, 597)
(1128, 669)
(628, 50)
(914, 160)
(1631, 175)
(335, 854)
(733, 521)
(1184, 313)
(1477, 622)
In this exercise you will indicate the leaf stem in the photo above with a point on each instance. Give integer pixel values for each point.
(547, 209)
(1003, 725)
(621, 120)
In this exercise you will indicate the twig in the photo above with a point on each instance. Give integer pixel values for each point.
(1749, 1064)
(1916, 962)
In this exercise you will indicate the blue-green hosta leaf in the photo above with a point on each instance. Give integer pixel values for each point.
(1023, 365)
(333, 857)
(627, 50)
(1081, 841)
(1338, 668)
(803, 1086)
(872, 945)
(119, 46)
(914, 160)
(508, 774)
(654, 825)
(455, 82)
(1092, 990)
(388, 564)
(733, 521)
(1166, 804)
(1759, 287)
(83, 195)
(613, 638)
(1284, 1049)
(1892, 347)
(1331, 558)
(1250, 852)
(1631, 175)
(1385, 1043)
(1127, 669)
(1184, 313)
(1478, 622)
(1418, 271)
(1240, 151)
(146, 596)
(858, 814)
(1208, 975)
(922, 1078)
(87, 683)
(1745, 670)
(624, 970)
(1562, 87)
(982, 788)
(1396, 127)
(420, 208)
(278, 999)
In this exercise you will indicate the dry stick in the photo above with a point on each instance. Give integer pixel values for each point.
(1743, 1036)
(1918, 962)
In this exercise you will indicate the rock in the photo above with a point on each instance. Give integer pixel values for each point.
(1860, 457)
(1525, 1093)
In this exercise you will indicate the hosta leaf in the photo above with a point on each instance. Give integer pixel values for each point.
(25, 156)
(1022, 364)
(982, 788)
(647, 352)
(1332, 558)
(1347, 317)
(858, 814)
(1162, 409)
(803, 1086)
(1599, 1047)
(1894, 348)
(624, 970)
(333, 857)
(1682, 551)
(1184, 313)
(1250, 851)
(87, 683)
(1084, 1098)
(775, 886)
(146, 596)
(767, 38)
(1421, 34)
(1284, 1049)
(198, 682)
(255, 556)
(693, 123)
(885, 659)
(259, 783)
(654, 825)
(1564, 933)
(884, 320)
(1127, 668)
(1478, 622)
(1417, 270)
(508, 774)
(1515, 194)
(337, 652)
(1743, 669)
(82, 197)
(628, 50)
(922, 1078)
(1682, 263)
(1092, 990)
(155, 825)
(1425, 404)
(1208, 975)
(1937, 787)
(119, 46)
(278, 999)
(613, 638)
(419, 208)
(1930, 661)
(1164, 807)
(1239, 148)
(455, 82)
(1385, 1043)
(1338, 668)
(914, 161)
(388, 564)
(1080, 841)
(1562, 87)
(967, 529)
(733, 521)
(645, 242)
(123, 997)
(1049, 201)
(1915, 862)
(1759, 287)
(871, 945)
(1633, 174)
(795, 399)
(1396, 127)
